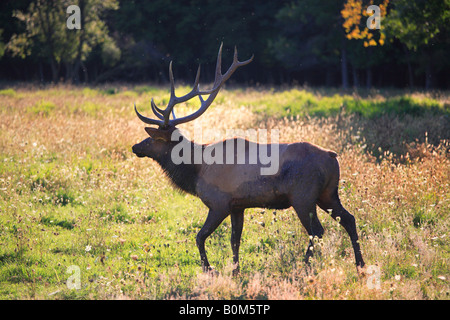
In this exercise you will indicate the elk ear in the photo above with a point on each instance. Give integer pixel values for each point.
(158, 134)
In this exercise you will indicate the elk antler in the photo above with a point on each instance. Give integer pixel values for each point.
(164, 115)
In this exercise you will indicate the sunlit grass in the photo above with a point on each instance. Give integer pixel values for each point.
(301, 102)
(72, 193)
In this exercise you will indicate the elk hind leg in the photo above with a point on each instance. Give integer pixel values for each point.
(347, 220)
(237, 223)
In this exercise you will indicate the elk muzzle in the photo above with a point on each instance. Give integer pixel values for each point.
(139, 149)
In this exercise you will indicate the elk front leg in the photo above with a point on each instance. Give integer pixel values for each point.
(309, 220)
(237, 223)
(305, 207)
(213, 220)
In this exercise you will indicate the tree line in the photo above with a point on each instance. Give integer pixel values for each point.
(319, 43)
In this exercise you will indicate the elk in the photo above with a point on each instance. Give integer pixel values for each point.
(307, 175)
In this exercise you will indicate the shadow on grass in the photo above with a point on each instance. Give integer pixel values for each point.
(399, 125)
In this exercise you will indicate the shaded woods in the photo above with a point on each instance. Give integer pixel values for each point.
(319, 43)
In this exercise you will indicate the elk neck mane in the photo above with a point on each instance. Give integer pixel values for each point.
(183, 176)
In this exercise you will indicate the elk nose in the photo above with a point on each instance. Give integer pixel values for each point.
(136, 150)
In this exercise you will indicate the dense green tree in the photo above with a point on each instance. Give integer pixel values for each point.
(190, 32)
(47, 37)
(294, 41)
(2, 44)
(312, 38)
(422, 26)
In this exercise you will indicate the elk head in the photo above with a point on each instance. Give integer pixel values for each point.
(159, 142)
(156, 145)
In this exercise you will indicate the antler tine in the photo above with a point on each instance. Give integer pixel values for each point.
(174, 100)
(236, 64)
(219, 65)
(164, 115)
(157, 111)
(218, 82)
(197, 78)
(221, 78)
(148, 120)
(195, 90)
(172, 82)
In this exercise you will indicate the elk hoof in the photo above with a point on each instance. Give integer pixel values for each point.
(211, 272)
(361, 270)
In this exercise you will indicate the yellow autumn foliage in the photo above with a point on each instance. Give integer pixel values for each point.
(353, 12)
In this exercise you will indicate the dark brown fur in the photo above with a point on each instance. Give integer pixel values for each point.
(307, 176)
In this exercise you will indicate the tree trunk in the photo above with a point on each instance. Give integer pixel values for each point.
(55, 70)
(76, 73)
(328, 78)
(429, 75)
(41, 72)
(85, 72)
(355, 76)
(69, 72)
(369, 78)
(410, 70)
(78, 62)
(344, 65)
(410, 75)
(44, 18)
(369, 69)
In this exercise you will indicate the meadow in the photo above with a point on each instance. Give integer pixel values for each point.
(75, 201)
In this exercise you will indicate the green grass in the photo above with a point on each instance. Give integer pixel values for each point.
(73, 194)
(297, 102)
(8, 92)
(43, 108)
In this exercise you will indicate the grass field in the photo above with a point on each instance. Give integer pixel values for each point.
(75, 201)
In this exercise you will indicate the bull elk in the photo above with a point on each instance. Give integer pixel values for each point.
(307, 175)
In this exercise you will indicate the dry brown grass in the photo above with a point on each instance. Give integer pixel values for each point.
(78, 141)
